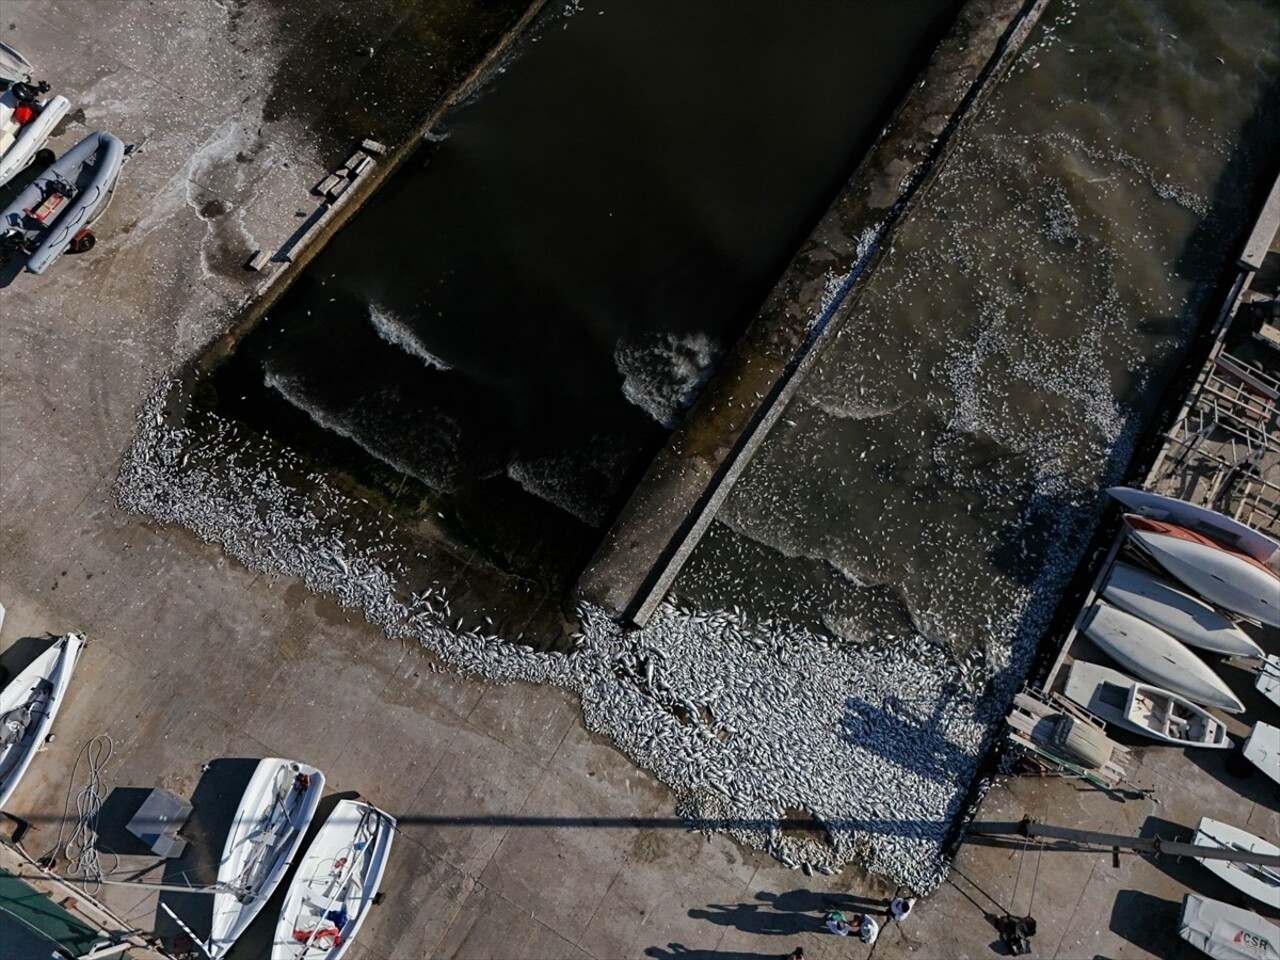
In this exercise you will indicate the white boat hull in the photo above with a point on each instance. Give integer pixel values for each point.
(1200, 519)
(1221, 577)
(1261, 883)
(30, 702)
(335, 883)
(273, 815)
(1119, 700)
(1178, 614)
(1153, 655)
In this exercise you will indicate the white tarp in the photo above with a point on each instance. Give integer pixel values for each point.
(1262, 749)
(1225, 932)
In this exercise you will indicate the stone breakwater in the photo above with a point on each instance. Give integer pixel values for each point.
(744, 720)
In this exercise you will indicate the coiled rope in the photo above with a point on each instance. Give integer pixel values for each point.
(81, 848)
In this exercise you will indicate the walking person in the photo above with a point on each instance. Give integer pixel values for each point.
(837, 924)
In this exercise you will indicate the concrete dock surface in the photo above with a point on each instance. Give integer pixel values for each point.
(521, 834)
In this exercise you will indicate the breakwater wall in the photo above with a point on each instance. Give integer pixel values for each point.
(678, 497)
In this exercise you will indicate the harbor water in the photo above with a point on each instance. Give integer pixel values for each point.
(510, 328)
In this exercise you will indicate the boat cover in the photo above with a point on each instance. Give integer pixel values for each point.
(1225, 932)
(1262, 749)
(1268, 682)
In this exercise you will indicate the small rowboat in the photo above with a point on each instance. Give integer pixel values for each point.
(1157, 657)
(1178, 614)
(269, 824)
(27, 708)
(1218, 573)
(1133, 705)
(53, 213)
(335, 884)
(1261, 883)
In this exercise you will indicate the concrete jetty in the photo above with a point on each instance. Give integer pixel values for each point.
(691, 476)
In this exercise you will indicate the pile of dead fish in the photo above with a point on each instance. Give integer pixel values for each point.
(745, 721)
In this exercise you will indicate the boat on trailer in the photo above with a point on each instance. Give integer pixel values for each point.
(269, 824)
(1143, 708)
(1156, 657)
(335, 884)
(1178, 614)
(1254, 880)
(52, 214)
(28, 706)
(1220, 574)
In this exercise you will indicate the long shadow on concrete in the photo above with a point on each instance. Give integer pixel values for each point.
(787, 914)
(678, 951)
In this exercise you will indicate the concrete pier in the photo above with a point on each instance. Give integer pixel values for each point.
(691, 476)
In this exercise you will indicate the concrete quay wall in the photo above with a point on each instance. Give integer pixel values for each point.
(679, 495)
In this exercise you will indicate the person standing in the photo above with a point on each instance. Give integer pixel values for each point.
(868, 929)
(900, 907)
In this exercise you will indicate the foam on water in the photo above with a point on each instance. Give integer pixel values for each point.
(662, 373)
(581, 485)
(426, 452)
(398, 333)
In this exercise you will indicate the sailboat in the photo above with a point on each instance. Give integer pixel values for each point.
(269, 824)
(335, 884)
(27, 708)
(1257, 881)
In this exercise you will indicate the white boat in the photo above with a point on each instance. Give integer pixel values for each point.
(1153, 655)
(335, 884)
(1268, 682)
(52, 214)
(1178, 614)
(27, 708)
(1262, 749)
(1261, 883)
(1221, 575)
(268, 827)
(1199, 519)
(1130, 704)
(1226, 932)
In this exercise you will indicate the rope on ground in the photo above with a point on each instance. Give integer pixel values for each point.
(81, 848)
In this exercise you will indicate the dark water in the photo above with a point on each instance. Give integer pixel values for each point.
(508, 331)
